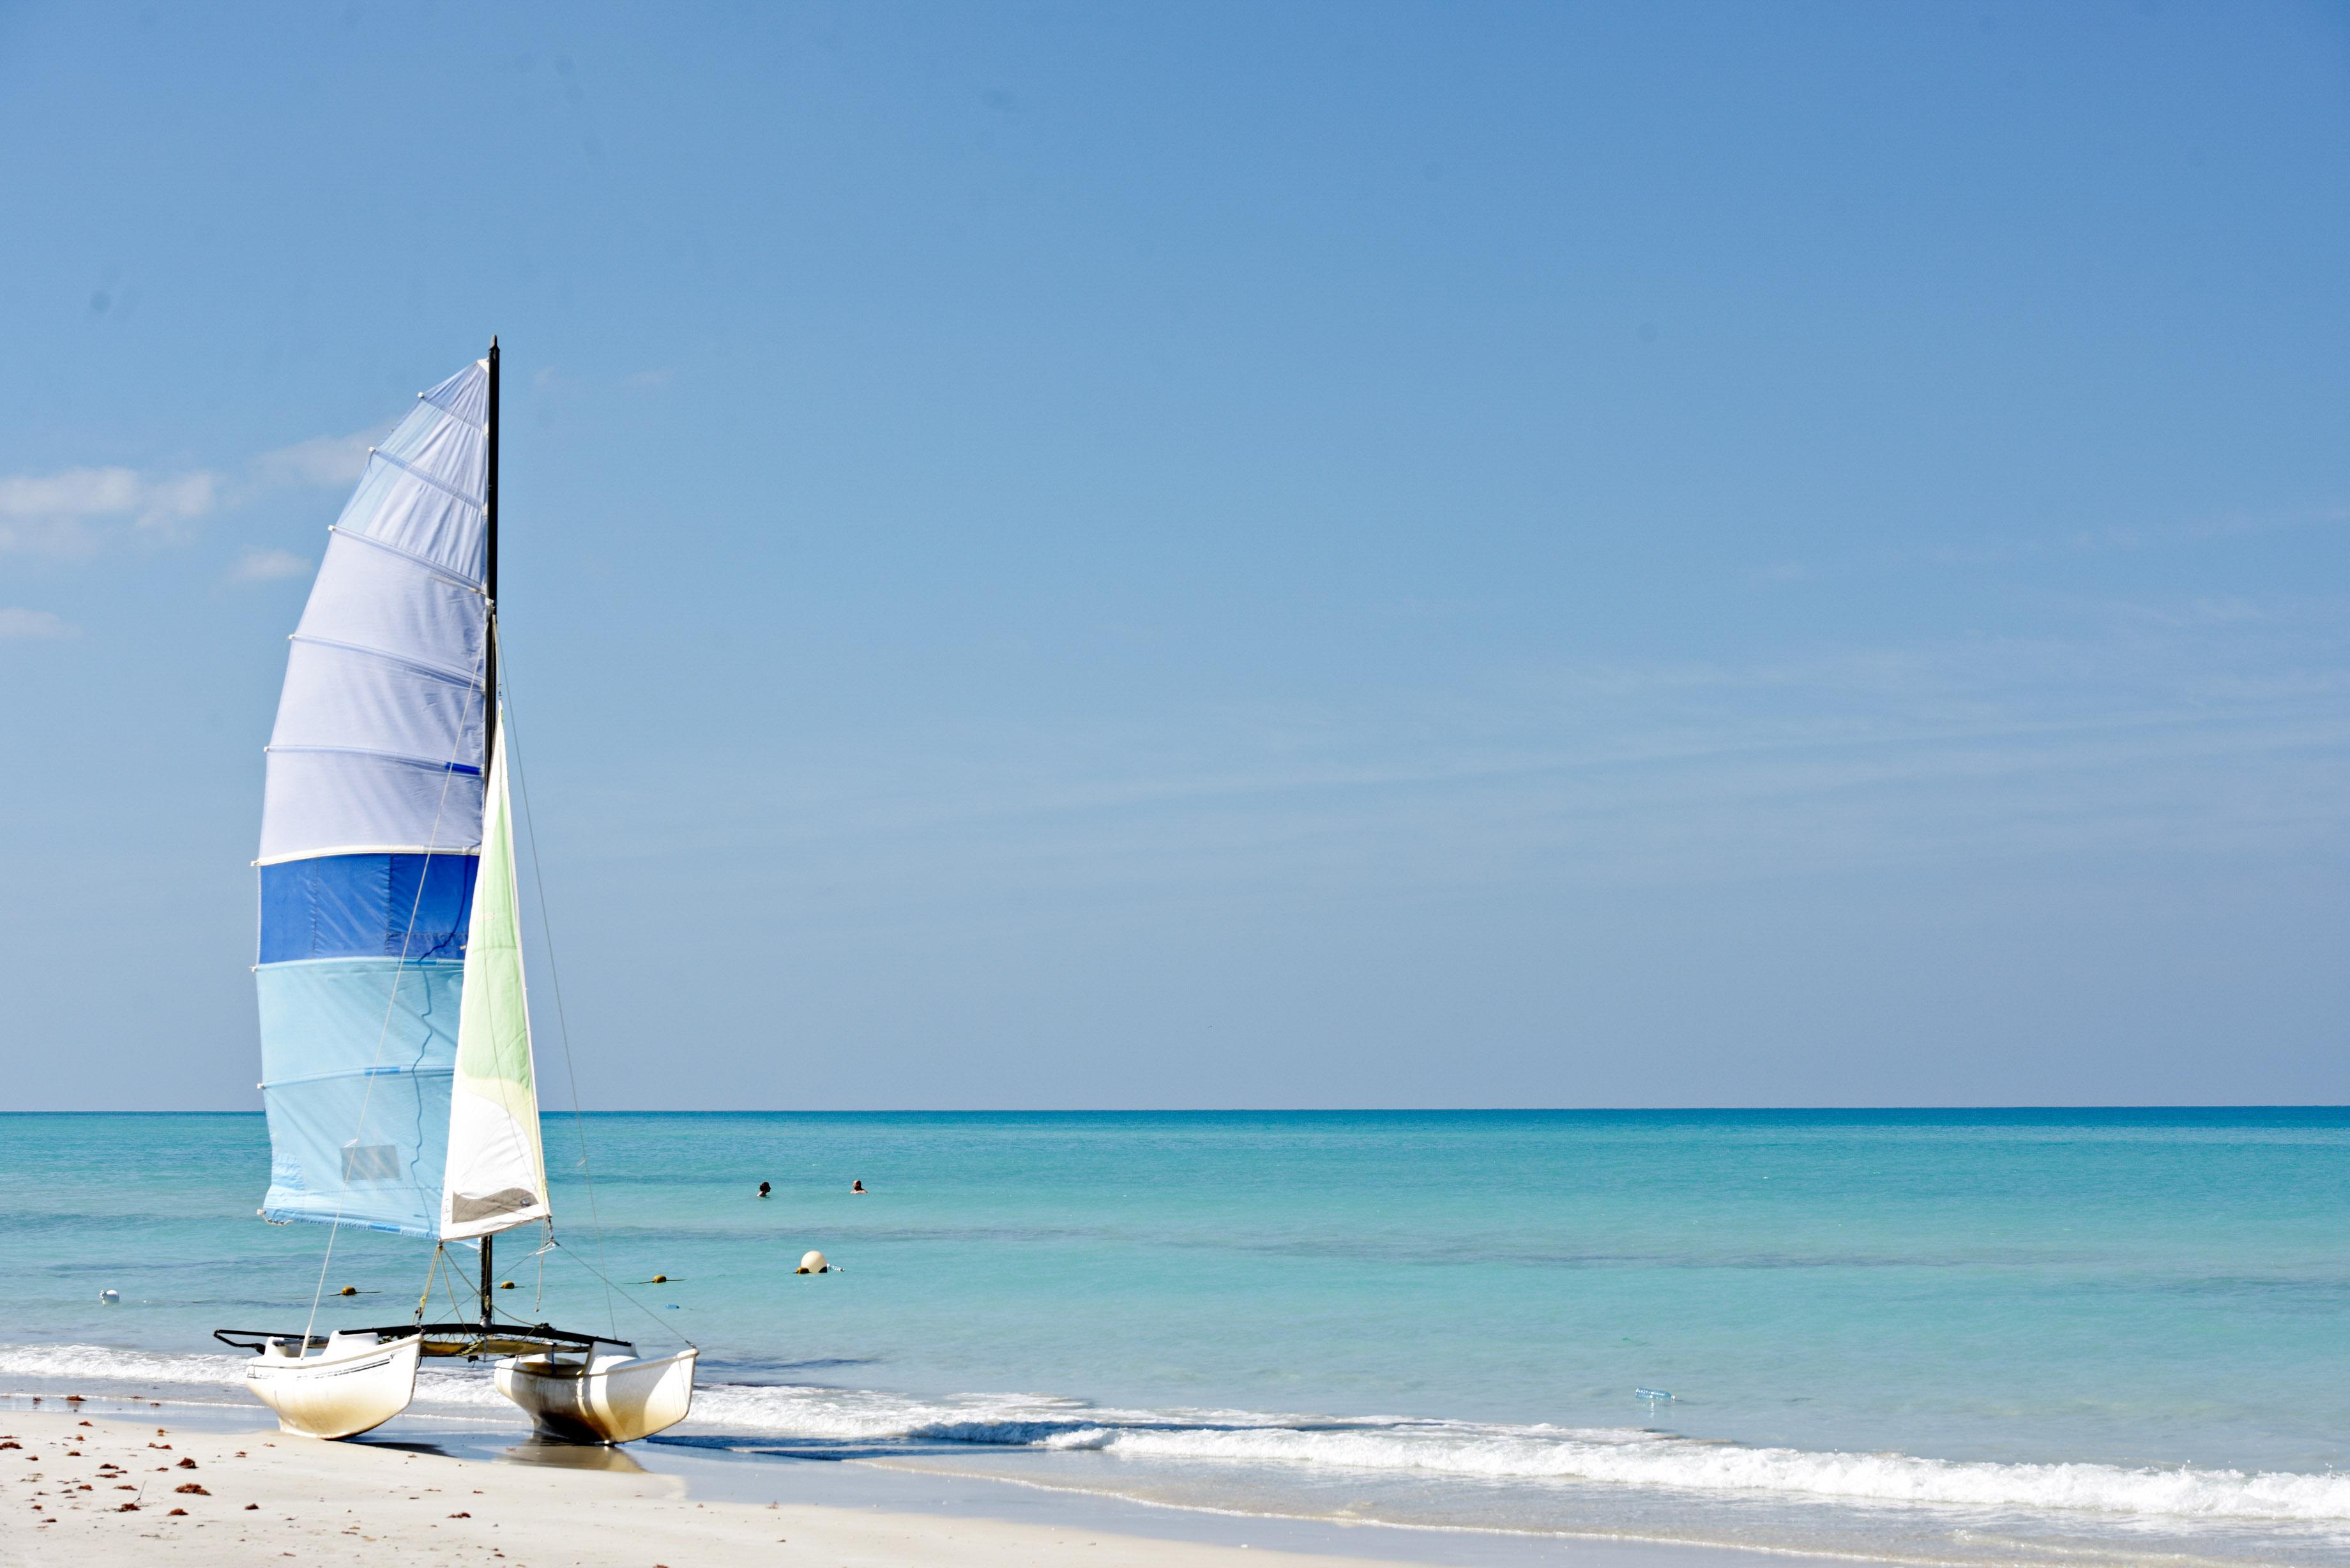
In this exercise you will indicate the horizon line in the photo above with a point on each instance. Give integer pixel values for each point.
(1312, 1110)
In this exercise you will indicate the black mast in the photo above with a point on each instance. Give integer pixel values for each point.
(490, 577)
(490, 664)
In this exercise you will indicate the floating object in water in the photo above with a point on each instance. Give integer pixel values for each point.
(813, 1263)
(661, 1279)
(348, 1291)
(764, 1189)
(1650, 1394)
(109, 1298)
(506, 1284)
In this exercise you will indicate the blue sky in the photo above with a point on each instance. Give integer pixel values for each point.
(1231, 555)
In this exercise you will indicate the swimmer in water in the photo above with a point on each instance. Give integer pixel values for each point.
(857, 1187)
(763, 1189)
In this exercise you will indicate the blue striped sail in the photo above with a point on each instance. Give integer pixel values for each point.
(372, 830)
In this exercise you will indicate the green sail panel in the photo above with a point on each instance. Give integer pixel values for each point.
(496, 1175)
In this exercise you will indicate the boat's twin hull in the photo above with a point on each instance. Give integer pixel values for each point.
(347, 1388)
(601, 1399)
(355, 1384)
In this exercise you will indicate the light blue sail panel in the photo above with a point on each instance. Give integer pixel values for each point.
(355, 1061)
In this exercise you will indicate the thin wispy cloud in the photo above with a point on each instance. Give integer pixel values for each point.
(2230, 610)
(325, 462)
(1998, 551)
(17, 624)
(258, 565)
(2137, 736)
(76, 513)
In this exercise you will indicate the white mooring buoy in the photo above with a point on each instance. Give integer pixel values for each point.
(110, 1298)
(813, 1263)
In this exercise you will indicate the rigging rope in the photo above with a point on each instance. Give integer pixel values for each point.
(555, 983)
(658, 1322)
(426, 1299)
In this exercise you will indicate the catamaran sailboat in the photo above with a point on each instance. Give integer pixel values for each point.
(395, 1033)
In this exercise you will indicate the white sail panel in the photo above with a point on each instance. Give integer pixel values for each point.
(496, 1177)
(346, 699)
(445, 451)
(465, 394)
(347, 803)
(406, 512)
(369, 596)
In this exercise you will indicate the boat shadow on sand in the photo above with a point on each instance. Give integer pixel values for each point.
(532, 1451)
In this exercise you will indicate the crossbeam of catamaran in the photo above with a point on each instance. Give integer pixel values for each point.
(469, 1340)
(395, 1027)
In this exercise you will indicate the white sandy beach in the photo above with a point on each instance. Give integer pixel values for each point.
(97, 1490)
(104, 1489)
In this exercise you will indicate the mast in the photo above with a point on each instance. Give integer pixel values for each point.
(489, 660)
(489, 575)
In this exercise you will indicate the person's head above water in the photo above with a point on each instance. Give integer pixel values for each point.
(763, 1189)
(857, 1187)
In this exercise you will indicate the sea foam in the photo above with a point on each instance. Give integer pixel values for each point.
(1540, 1455)
(1544, 1454)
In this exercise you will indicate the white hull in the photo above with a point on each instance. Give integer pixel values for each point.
(604, 1399)
(352, 1386)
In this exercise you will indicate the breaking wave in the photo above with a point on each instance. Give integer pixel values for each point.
(1561, 1455)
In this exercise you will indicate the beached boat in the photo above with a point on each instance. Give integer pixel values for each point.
(354, 1383)
(395, 1030)
(600, 1398)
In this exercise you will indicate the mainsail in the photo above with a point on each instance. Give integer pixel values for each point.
(372, 832)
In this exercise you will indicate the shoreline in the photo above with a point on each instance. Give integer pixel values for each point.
(1196, 1505)
(649, 1504)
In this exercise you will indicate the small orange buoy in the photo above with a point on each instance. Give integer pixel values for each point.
(506, 1284)
(813, 1263)
(661, 1279)
(348, 1291)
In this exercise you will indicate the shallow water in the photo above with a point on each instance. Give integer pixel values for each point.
(1956, 1336)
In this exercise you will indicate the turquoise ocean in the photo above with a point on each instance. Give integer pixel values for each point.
(2075, 1337)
